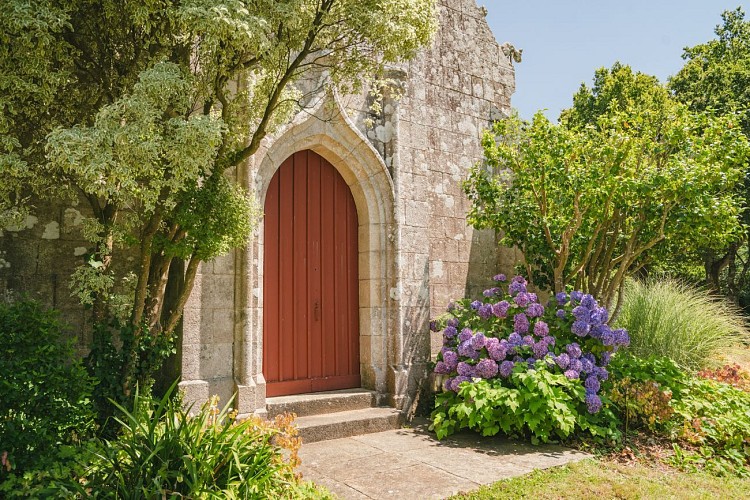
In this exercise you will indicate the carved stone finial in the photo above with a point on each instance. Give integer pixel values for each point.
(513, 54)
(483, 10)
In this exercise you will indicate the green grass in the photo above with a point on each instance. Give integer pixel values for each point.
(671, 319)
(605, 479)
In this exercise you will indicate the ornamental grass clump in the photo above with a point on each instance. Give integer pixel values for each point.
(667, 318)
(511, 364)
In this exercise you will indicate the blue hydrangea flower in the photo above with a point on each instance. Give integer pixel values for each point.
(593, 403)
(518, 285)
(575, 365)
(453, 322)
(541, 329)
(522, 299)
(465, 334)
(496, 350)
(621, 337)
(499, 277)
(576, 296)
(501, 309)
(451, 306)
(560, 313)
(571, 374)
(549, 340)
(434, 326)
(476, 304)
(563, 361)
(580, 328)
(574, 350)
(515, 339)
(466, 350)
(588, 301)
(528, 340)
(485, 311)
(535, 310)
(450, 332)
(465, 369)
(606, 357)
(506, 368)
(478, 341)
(520, 323)
(602, 373)
(486, 368)
(492, 291)
(592, 384)
(451, 359)
(581, 313)
(458, 381)
(586, 365)
(442, 368)
(540, 350)
(561, 298)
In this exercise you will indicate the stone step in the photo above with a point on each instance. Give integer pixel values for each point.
(347, 423)
(319, 403)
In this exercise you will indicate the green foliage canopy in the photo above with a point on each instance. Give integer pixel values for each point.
(145, 109)
(628, 177)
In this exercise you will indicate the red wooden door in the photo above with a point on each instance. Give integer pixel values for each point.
(310, 280)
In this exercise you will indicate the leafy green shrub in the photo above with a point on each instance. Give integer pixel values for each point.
(162, 451)
(44, 390)
(515, 366)
(670, 319)
(711, 419)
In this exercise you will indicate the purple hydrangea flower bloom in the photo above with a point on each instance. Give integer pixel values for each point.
(447, 341)
(535, 310)
(496, 350)
(575, 365)
(580, 328)
(608, 338)
(520, 323)
(621, 337)
(528, 340)
(506, 368)
(501, 309)
(563, 361)
(522, 299)
(586, 365)
(602, 373)
(478, 341)
(465, 335)
(592, 384)
(451, 306)
(590, 357)
(453, 322)
(450, 332)
(442, 368)
(560, 313)
(540, 350)
(581, 313)
(588, 302)
(531, 362)
(487, 368)
(598, 316)
(485, 311)
(492, 291)
(533, 297)
(465, 369)
(561, 298)
(518, 359)
(549, 340)
(451, 359)
(466, 350)
(515, 339)
(433, 326)
(499, 277)
(606, 357)
(593, 403)
(576, 296)
(574, 350)
(518, 285)
(571, 374)
(448, 384)
(476, 304)
(541, 329)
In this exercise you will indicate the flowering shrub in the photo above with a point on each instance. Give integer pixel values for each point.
(539, 369)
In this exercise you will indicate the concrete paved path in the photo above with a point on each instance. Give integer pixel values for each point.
(410, 463)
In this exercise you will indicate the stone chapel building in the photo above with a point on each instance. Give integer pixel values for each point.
(363, 240)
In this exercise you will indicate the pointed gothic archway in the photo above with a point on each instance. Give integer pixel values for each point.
(311, 282)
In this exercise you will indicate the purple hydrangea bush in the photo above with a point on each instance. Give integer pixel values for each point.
(510, 333)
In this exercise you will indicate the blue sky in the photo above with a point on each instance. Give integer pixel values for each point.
(563, 42)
